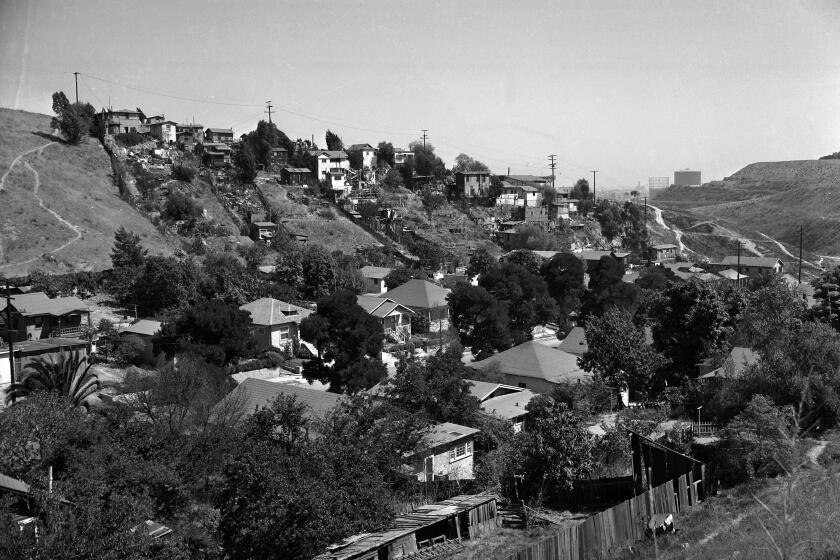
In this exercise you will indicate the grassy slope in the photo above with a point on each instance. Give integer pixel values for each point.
(774, 198)
(76, 183)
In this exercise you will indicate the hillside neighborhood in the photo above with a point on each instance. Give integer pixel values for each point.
(226, 340)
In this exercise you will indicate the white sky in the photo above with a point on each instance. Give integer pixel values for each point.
(630, 88)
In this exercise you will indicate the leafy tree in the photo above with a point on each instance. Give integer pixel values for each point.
(432, 256)
(393, 180)
(436, 387)
(217, 331)
(525, 296)
(64, 375)
(318, 273)
(432, 200)
(401, 274)
(288, 267)
(607, 288)
(425, 161)
(180, 206)
(74, 119)
(349, 338)
(656, 278)
(481, 260)
(618, 351)
(464, 163)
(385, 153)
(246, 163)
(770, 310)
(254, 255)
(481, 321)
(225, 278)
(165, 282)
(525, 258)
(349, 278)
(827, 294)
(354, 157)
(127, 251)
(609, 216)
(563, 274)
(333, 141)
(267, 136)
(185, 173)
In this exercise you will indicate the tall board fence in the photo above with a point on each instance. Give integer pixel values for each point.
(616, 528)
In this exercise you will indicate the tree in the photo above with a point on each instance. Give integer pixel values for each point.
(525, 258)
(333, 141)
(245, 161)
(165, 282)
(64, 375)
(393, 180)
(74, 119)
(656, 278)
(349, 339)
(464, 163)
(481, 321)
(432, 256)
(127, 251)
(432, 200)
(385, 153)
(318, 273)
(770, 310)
(607, 288)
(225, 278)
(401, 274)
(827, 294)
(617, 350)
(563, 275)
(355, 159)
(288, 267)
(425, 161)
(481, 260)
(436, 387)
(219, 332)
(525, 296)
(180, 206)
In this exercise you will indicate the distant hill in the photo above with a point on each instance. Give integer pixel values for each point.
(773, 198)
(72, 226)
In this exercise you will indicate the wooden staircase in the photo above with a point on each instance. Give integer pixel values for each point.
(437, 551)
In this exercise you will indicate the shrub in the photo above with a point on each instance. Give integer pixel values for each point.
(129, 139)
(420, 324)
(184, 173)
(326, 213)
(130, 349)
(179, 206)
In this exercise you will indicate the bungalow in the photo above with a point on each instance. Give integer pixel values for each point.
(278, 158)
(333, 166)
(35, 316)
(295, 176)
(275, 323)
(663, 252)
(375, 278)
(592, 258)
(535, 366)
(368, 154)
(427, 532)
(254, 394)
(121, 121)
(503, 401)
(144, 329)
(423, 298)
(472, 184)
(754, 267)
(189, 133)
(394, 318)
(164, 131)
(445, 452)
(219, 135)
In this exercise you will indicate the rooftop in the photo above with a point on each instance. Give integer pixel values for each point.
(296, 170)
(532, 359)
(379, 306)
(421, 294)
(443, 434)
(509, 406)
(270, 311)
(259, 393)
(575, 342)
(37, 303)
(221, 130)
(761, 262)
(377, 272)
(145, 327)
(329, 153)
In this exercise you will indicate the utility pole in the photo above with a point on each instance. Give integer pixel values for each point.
(594, 197)
(9, 334)
(801, 232)
(424, 131)
(268, 104)
(738, 273)
(76, 74)
(552, 165)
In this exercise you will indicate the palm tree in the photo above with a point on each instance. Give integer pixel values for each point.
(64, 375)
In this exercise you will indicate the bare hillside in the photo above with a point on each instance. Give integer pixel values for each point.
(773, 198)
(59, 208)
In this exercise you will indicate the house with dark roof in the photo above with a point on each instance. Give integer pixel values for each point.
(535, 366)
(275, 323)
(663, 252)
(527, 180)
(254, 394)
(593, 257)
(214, 155)
(754, 267)
(35, 316)
(423, 298)
(187, 133)
(295, 176)
(394, 317)
(143, 329)
(503, 401)
(123, 121)
(164, 131)
(445, 452)
(575, 342)
(375, 278)
(278, 158)
(368, 153)
(219, 135)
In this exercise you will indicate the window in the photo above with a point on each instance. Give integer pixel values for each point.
(39, 321)
(284, 333)
(460, 451)
(522, 385)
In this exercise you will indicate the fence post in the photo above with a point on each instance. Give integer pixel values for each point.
(652, 513)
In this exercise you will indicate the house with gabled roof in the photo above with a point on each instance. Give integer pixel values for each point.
(394, 317)
(144, 329)
(189, 133)
(753, 267)
(219, 135)
(736, 364)
(445, 452)
(254, 394)
(535, 366)
(663, 252)
(35, 316)
(423, 298)
(472, 184)
(275, 323)
(375, 278)
(503, 401)
(368, 154)
(333, 166)
(575, 342)
(122, 121)
(163, 130)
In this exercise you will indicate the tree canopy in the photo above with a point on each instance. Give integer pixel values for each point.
(73, 120)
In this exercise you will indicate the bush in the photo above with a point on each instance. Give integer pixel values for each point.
(184, 173)
(129, 139)
(130, 350)
(420, 324)
(327, 213)
(179, 206)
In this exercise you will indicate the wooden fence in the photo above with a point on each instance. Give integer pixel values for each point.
(599, 491)
(614, 529)
(704, 428)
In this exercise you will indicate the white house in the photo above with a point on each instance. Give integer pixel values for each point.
(165, 131)
(519, 195)
(368, 154)
(394, 318)
(445, 452)
(275, 323)
(375, 278)
(333, 166)
(401, 156)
